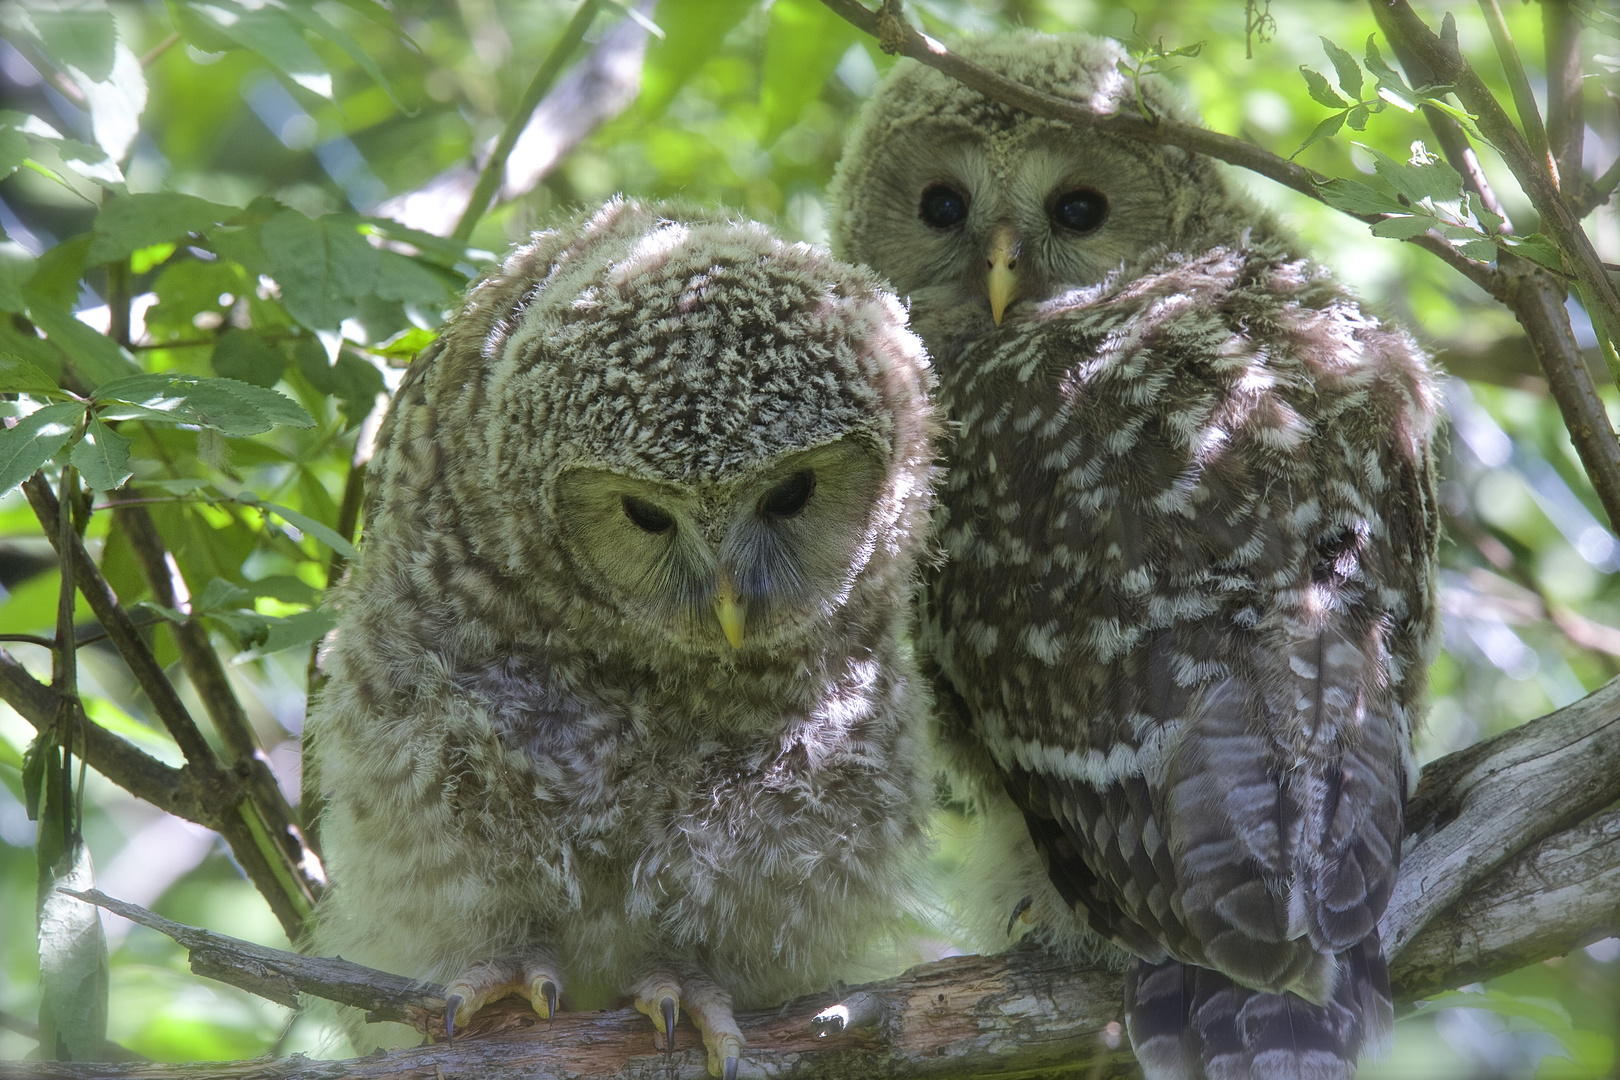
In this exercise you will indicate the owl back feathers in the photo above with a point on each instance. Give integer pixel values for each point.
(1190, 525)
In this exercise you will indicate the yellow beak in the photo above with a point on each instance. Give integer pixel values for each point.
(730, 611)
(1002, 281)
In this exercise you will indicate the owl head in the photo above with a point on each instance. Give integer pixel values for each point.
(972, 208)
(676, 432)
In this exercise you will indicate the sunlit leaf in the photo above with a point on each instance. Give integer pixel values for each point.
(102, 457)
(1321, 90)
(1345, 67)
(1403, 228)
(73, 974)
(37, 436)
(81, 36)
(1358, 198)
(1325, 130)
(227, 405)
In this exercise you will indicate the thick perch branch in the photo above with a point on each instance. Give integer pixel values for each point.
(1508, 867)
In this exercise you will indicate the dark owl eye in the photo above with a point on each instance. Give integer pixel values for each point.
(788, 498)
(943, 206)
(1080, 210)
(646, 515)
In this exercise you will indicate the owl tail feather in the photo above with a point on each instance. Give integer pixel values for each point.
(1191, 1023)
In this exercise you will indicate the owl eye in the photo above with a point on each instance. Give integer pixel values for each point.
(646, 516)
(943, 206)
(788, 498)
(1081, 210)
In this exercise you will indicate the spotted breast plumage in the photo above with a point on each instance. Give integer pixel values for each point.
(1189, 519)
(620, 699)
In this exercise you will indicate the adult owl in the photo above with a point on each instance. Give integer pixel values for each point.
(1187, 605)
(620, 702)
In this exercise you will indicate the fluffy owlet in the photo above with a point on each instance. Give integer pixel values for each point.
(620, 702)
(1189, 521)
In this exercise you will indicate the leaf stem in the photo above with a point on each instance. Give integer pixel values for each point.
(1524, 99)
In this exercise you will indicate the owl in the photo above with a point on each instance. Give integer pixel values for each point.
(622, 700)
(1186, 607)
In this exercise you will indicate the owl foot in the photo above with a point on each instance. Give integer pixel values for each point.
(661, 997)
(533, 978)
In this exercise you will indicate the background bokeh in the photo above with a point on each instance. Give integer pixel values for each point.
(745, 105)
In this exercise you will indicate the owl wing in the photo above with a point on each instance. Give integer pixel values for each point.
(1190, 527)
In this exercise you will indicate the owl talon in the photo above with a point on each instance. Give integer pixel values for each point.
(667, 1007)
(451, 1005)
(658, 997)
(729, 1072)
(548, 990)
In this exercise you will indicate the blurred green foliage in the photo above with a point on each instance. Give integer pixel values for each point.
(234, 172)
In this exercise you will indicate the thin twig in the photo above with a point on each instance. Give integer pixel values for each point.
(495, 167)
(160, 48)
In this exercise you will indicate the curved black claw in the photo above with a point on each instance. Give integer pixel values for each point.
(548, 990)
(1018, 912)
(452, 1005)
(667, 1006)
(729, 1070)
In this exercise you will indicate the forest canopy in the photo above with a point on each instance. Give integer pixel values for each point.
(227, 227)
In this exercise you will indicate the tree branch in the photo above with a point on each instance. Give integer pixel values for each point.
(208, 677)
(1534, 875)
(217, 788)
(131, 768)
(1558, 220)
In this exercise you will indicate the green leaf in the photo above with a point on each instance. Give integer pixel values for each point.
(102, 457)
(81, 36)
(1345, 67)
(227, 405)
(271, 32)
(324, 533)
(18, 376)
(319, 264)
(37, 436)
(1325, 130)
(222, 595)
(1433, 180)
(693, 31)
(1358, 118)
(131, 222)
(403, 278)
(73, 972)
(244, 355)
(95, 357)
(803, 44)
(353, 381)
(13, 150)
(1537, 248)
(1403, 228)
(58, 269)
(300, 629)
(313, 20)
(1386, 75)
(1358, 198)
(1321, 90)
(1483, 250)
(16, 267)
